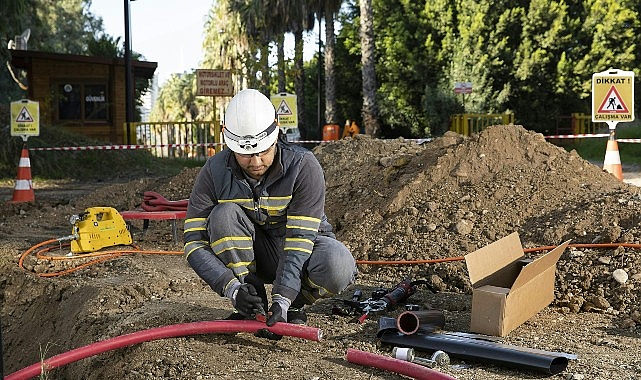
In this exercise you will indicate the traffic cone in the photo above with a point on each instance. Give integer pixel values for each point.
(23, 191)
(612, 160)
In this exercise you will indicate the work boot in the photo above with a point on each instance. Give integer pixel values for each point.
(296, 316)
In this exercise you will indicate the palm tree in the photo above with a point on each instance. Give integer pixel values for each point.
(370, 106)
(254, 17)
(301, 20)
(331, 7)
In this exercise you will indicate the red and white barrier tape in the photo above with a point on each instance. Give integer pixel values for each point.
(119, 147)
(577, 136)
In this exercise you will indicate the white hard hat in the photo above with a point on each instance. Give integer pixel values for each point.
(251, 125)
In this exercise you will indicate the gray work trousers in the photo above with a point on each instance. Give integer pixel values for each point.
(328, 271)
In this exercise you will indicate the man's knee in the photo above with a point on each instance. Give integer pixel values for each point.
(332, 265)
(225, 219)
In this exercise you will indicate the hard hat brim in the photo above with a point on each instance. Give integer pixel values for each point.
(250, 145)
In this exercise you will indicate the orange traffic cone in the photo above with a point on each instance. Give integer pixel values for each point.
(23, 191)
(612, 161)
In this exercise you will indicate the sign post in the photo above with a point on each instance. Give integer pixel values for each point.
(25, 119)
(286, 109)
(25, 122)
(613, 97)
(613, 102)
(214, 83)
(463, 88)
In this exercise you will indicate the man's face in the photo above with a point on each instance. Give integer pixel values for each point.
(255, 165)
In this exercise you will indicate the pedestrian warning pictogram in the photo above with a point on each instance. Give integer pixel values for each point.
(283, 108)
(613, 102)
(24, 116)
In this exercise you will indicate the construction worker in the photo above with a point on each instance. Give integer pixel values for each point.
(256, 215)
(350, 130)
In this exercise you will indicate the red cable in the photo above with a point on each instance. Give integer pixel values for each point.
(185, 329)
(413, 370)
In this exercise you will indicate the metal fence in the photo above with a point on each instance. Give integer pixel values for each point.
(471, 123)
(189, 139)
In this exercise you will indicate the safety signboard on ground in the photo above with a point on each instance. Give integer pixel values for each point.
(214, 83)
(25, 118)
(613, 96)
(286, 110)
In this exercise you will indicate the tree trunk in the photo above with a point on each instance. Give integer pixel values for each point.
(299, 82)
(370, 107)
(264, 63)
(280, 45)
(330, 83)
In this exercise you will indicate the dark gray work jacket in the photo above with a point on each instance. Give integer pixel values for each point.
(290, 197)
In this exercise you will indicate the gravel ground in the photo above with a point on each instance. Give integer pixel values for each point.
(388, 200)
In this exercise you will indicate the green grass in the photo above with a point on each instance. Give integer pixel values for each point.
(593, 149)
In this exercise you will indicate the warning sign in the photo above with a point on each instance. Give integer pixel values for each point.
(613, 103)
(285, 105)
(613, 96)
(25, 118)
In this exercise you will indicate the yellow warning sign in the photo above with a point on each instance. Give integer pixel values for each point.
(25, 118)
(613, 96)
(285, 105)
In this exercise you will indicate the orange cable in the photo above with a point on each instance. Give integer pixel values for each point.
(112, 254)
(102, 256)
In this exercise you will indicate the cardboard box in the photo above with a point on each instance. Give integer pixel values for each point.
(508, 289)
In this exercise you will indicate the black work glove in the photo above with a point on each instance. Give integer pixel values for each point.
(278, 310)
(248, 302)
(276, 314)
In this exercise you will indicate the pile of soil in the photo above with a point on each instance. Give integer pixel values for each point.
(388, 200)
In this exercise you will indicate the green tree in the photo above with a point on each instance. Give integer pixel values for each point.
(176, 99)
(611, 33)
(403, 65)
(543, 40)
(226, 46)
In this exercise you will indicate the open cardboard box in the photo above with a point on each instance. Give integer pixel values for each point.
(508, 289)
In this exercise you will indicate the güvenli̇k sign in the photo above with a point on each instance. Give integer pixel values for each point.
(613, 97)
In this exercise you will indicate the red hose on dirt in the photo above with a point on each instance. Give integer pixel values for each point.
(185, 329)
(402, 367)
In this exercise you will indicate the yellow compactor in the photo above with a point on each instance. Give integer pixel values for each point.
(97, 228)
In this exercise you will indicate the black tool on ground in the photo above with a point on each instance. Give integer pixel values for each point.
(382, 299)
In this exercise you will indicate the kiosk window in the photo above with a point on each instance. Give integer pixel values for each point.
(82, 102)
(95, 102)
(69, 104)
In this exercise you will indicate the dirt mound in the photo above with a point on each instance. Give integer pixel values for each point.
(388, 200)
(397, 200)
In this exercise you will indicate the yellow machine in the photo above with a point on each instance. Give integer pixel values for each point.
(96, 228)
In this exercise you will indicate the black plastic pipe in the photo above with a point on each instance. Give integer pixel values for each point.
(481, 350)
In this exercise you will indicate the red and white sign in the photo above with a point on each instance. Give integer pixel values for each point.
(463, 87)
(214, 83)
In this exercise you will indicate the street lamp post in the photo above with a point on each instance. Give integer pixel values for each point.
(129, 86)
